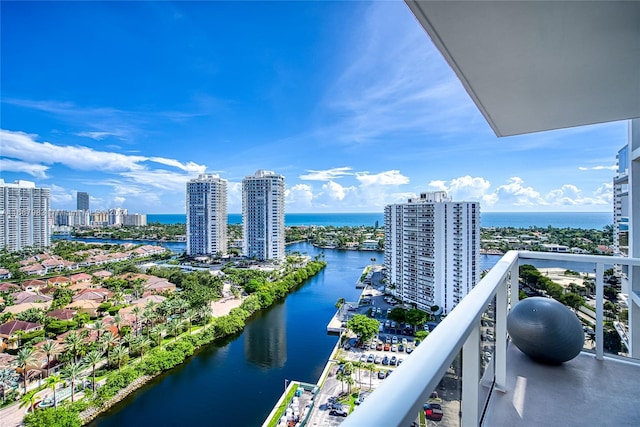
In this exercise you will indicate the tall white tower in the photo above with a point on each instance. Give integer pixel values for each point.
(263, 215)
(207, 215)
(432, 250)
(24, 215)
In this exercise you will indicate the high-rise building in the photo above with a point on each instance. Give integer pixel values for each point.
(263, 215)
(24, 215)
(82, 201)
(621, 204)
(207, 215)
(432, 250)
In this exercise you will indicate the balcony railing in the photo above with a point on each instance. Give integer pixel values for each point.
(399, 398)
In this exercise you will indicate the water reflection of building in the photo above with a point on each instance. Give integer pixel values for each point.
(265, 343)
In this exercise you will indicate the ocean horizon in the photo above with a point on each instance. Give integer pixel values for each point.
(585, 220)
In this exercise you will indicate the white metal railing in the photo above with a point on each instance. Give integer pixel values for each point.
(399, 398)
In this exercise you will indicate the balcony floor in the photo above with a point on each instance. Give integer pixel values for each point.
(581, 392)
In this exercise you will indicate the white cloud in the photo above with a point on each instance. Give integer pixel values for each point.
(463, 188)
(411, 89)
(119, 200)
(187, 167)
(33, 169)
(391, 177)
(299, 197)
(19, 145)
(135, 169)
(98, 136)
(598, 168)
(60, 195)
(234, 196)
(516, 194)
(326, 175)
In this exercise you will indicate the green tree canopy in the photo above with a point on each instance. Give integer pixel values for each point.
(364, 327)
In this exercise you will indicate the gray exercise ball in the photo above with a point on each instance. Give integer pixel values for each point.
(545, 330)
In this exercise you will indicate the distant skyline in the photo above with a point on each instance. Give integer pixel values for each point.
(350, 101)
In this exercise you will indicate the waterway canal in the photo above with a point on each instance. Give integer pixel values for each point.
(237, 382)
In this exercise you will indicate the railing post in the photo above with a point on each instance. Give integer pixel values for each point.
(500, 354)
(599, 311)
(471, 378)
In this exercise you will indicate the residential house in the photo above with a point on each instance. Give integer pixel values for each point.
(98, 294)
(9, 332)
(59, 281)
(5, 274)
(34, 285)
(28, 297)
(8, 287)
(89, 307)
(19, 308)
(34, 270)
(62, 314)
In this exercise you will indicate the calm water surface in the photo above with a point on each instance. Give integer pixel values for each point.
(237, 382)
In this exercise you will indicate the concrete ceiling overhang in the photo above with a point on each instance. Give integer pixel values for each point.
(539, 65)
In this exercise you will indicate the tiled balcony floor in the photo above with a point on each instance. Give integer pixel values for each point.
(582, 392)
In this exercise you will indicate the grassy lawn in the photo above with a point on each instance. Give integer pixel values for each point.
(423, 420)
(282, 407)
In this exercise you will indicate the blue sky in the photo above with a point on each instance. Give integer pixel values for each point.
(350, 101)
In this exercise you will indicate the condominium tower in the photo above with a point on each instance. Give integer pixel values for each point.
(24, 215)
(82, 201)
(207, 215)
(263, 215)
(432, 250)
(621, 204)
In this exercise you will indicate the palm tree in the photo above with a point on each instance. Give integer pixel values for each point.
(74, 344)
(136, 312)
(159, 331)
(189, 314)
(26, 357)
(93, 358)
(108, 340)
(150, 317)
(50, 348)
(371, 367)
(119, 354)
(52, 381)
(99, 327)
(174, 326)
(204, 313)
(142, 343)
(72, 372)
(28, 400)
(118, 321)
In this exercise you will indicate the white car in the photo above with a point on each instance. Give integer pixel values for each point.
(394, 340)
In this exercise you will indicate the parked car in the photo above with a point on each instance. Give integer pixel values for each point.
(381, 375)
(394, 340)
(388, 340)
(341, 412)
(433, 411)
(393, 360)
(363, 357)
(371, 358)
(379, 346)
(394, 347)
(385, 361)
(399, 362)
(409, 350)
(378, 359)
(387, 347)
(404, 341)
(400, 347)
